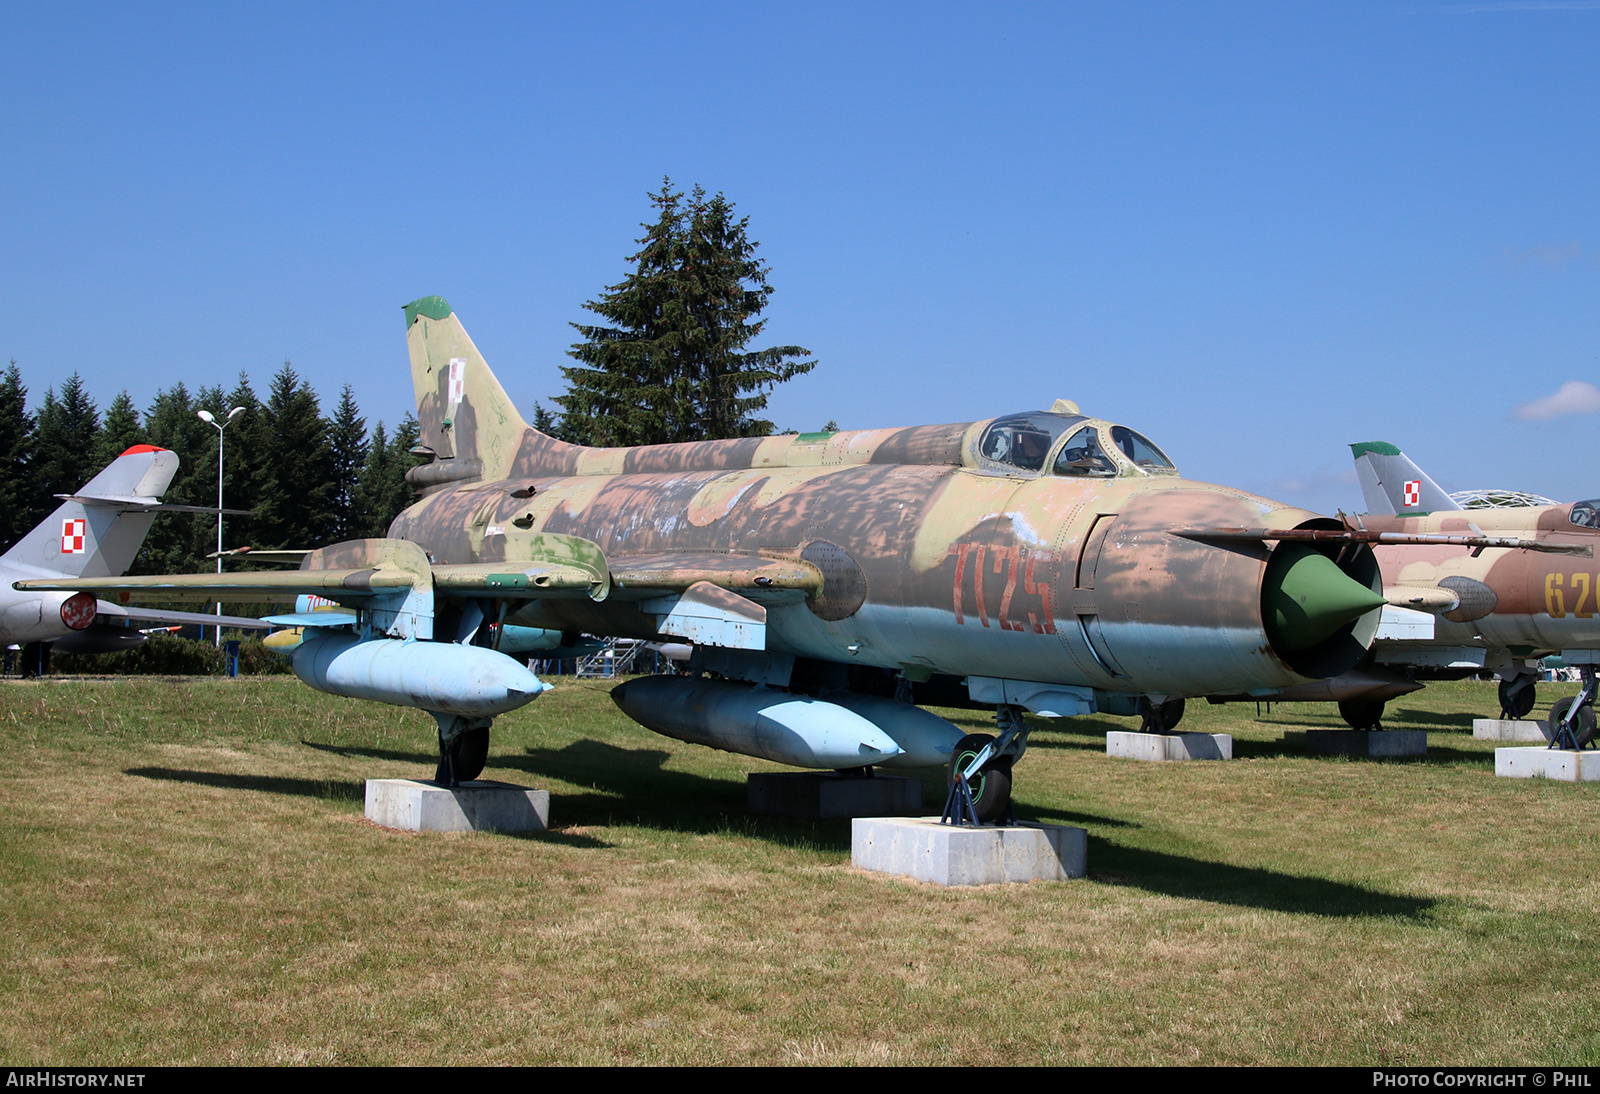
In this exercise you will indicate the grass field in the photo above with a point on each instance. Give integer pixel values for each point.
(188, 879)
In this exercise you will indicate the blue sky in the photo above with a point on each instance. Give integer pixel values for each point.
(1256, 232)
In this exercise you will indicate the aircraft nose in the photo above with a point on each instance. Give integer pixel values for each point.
(1195, 587)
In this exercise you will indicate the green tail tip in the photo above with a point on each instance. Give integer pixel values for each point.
(1382, 448)
(1306, 598)
(431, 307)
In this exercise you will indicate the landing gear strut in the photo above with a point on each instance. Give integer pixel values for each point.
(988, 791)
(979, 774)
(463, 748)
(36, 659)
(1572, 721)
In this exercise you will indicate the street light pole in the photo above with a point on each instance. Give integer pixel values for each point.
(210, 419)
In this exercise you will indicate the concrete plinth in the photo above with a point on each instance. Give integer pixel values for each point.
(1546, 763)
(1370, 743)
(825, 795)
(415, 806)
(1504, 729)
(1169, 746)
(946, 854)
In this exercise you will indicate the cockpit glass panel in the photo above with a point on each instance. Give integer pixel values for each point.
(1082, 456)
(1586, 514)
(1139, 449)
(1024, 440)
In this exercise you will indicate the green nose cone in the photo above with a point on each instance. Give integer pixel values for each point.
(1305, 598)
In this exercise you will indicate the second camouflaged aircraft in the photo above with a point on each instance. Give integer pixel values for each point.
(1480, 611)
(1044, 561)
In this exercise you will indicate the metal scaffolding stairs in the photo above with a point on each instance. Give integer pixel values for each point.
(616, 659)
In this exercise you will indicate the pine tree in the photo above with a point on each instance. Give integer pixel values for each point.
(179, 543)
(370, 483)
(295, 510)
(382, 490)
(552, 426)
(672, 365)
(348, 451)
(405, 439)
(18, 512)
(120, 431)
(246, 452)
(65, 449)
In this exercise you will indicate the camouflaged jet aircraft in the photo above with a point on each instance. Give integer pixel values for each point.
(1456, 611)
(1045, 561)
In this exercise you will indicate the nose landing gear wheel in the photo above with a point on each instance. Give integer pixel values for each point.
(991, 786)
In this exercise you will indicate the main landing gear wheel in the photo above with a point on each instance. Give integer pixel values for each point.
(474, 753)
(991, 786)
(1582, 725)
(464, 758)
(1517, 696)
(1362, 713)
(1162, 717)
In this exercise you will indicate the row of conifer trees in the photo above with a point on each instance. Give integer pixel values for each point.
(672, 362)
(309, 479)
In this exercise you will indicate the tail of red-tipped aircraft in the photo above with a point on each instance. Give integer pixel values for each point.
(97, 531)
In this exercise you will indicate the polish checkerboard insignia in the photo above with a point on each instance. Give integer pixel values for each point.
(1413, 492)
(73, 534)
(458, 379)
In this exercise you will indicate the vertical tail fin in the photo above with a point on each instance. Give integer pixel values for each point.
(465, 415)
(98, 531)
(1392, 484)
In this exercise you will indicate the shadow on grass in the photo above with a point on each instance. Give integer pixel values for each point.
(632, 787)
(1442, 756)
(1439, 755)
(1393, 718)
(629, 786)
(1243, 886)
(1044, 815)
(561, 839)
(427, 760)
(1411, 718)
(329, 789)
(1084, 734)
(1246, 749)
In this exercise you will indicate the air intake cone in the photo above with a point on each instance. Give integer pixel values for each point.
(1306, 598)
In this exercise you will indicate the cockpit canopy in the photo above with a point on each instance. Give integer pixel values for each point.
(1585, 514)
(1024, 440)
(1071, 445)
